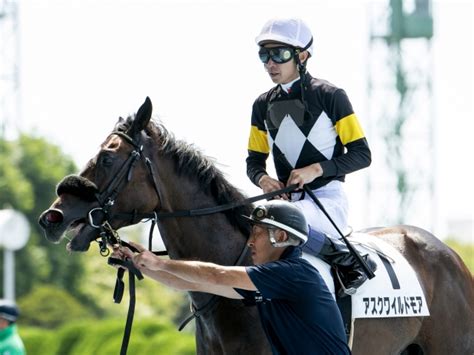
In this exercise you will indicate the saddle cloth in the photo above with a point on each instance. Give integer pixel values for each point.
(394, 291)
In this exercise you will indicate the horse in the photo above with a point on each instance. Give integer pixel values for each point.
(142, 169)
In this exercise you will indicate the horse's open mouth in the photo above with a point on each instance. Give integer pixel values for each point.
(80, 234)
(56, 225)
(75, 228)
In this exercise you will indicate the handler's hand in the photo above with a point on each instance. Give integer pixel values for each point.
(145, 259)
(120, 252)
(305, 175)
(269, 184)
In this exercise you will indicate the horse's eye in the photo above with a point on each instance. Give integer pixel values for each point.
(106, 160)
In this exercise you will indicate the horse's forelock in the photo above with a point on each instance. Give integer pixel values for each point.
(123, 124)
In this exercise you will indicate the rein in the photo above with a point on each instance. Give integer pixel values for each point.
(99, 218)
(209, 210)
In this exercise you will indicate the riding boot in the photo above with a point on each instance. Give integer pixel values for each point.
(344, 265)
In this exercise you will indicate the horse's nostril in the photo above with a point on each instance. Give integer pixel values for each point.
(53, 216)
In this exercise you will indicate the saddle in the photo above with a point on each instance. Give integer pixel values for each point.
(394, 291)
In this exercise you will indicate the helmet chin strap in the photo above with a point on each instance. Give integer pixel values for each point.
(302, 71)
(275, 244)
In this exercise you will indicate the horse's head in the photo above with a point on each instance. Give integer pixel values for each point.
(115, 186)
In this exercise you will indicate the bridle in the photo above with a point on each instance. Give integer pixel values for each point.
(98, 218)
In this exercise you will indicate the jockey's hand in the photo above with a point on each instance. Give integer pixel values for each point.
(269, 184)
(145, 259)
(305, 175)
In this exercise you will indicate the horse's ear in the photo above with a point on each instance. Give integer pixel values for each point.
(141, 118)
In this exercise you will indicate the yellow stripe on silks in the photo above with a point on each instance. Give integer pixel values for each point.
(349, 129)
(258, 141)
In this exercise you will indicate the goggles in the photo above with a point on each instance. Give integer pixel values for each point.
(259, 213)
(278, 55)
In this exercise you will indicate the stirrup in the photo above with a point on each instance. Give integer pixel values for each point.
(343, 291)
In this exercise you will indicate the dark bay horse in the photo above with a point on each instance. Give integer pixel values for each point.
(141, 168)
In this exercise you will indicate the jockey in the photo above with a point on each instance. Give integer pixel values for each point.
(297, 311)
(315, 138)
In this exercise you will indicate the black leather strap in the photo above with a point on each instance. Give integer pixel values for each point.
(210, 210)
(118, 294)
(196, 313)
(128, 264)
(131, 312)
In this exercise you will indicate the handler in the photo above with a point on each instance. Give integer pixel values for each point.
(297, 311)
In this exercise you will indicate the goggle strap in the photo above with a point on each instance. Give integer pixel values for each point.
(299, 50)
(309, 44)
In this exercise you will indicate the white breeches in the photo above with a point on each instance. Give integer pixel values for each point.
(334, 200)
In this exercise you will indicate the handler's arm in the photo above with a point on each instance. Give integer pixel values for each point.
(192, 275)
(209, 273)
(180, 284)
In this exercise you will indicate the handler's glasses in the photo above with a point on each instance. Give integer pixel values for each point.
(278, 55)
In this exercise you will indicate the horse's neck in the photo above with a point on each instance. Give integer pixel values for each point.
(207, 238)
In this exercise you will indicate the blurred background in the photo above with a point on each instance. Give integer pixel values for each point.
(69, 69)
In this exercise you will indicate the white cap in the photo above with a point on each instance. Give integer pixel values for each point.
(292, 31)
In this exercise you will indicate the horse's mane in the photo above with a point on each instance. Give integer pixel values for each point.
(190, 161)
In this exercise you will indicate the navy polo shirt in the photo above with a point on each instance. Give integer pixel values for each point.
(296, 309)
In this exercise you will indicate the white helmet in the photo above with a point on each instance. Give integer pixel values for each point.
(292, 31)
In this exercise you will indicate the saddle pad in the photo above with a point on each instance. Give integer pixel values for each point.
(394, 291)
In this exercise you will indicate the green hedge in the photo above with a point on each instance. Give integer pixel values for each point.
(39, 341)
(149, 336)
(50, 307)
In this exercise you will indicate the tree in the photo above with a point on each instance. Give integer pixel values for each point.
(30, 169)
